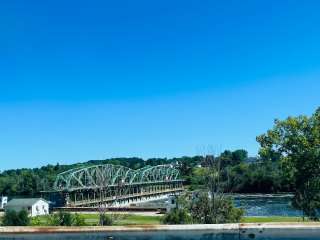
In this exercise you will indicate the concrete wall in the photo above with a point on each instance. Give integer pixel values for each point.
(244, 231)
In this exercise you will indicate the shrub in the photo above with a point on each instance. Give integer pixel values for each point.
(36, 221)
(66, 219)
(216, 209)
(177, 216)
(105, 220)
(13, 218)
(61, 219)
(78, 220)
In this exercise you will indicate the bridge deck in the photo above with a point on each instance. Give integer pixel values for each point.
(125, 197)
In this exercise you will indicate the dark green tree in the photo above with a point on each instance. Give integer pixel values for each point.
(239, 156)
(296, 142)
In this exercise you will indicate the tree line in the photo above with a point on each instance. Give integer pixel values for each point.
(241, 173)
(292, 144)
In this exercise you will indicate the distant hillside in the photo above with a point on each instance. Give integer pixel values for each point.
(240, 173)
(29, 182)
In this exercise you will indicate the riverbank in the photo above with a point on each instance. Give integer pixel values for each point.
(136, 219)
(92, 219)
(129, 219)
(272, 219)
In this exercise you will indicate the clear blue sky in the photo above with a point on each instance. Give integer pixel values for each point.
(93, 79)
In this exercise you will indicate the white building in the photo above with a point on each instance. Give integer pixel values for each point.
(3, 202)
(34, 206)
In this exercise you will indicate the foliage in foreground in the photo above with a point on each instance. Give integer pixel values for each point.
(13, 218)
(105, 219)
(209, 205)
(177, 216)
(65, 219)
(215, 209)
(296, 142)
(205, 210)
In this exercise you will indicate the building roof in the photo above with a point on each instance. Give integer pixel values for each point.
(21, 202)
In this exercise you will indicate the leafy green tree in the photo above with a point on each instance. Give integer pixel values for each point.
(198, 178)
(296, 142)
(225, 159)
(239, 156)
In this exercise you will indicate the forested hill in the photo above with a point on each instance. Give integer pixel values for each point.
(29, 182)
(243, 174)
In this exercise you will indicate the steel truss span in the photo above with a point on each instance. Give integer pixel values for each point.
(114, 184)
(108, 175)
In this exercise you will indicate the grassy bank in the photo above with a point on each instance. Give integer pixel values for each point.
(92, 219)
(130, 219)
(124, 219)
(270, 219)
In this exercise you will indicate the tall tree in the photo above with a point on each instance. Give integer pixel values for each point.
(296, 142)
(239, 156)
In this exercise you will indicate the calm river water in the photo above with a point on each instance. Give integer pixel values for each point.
(254, 205)
(266, 205)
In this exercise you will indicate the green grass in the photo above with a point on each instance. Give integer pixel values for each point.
(92, 219)
(270, 219)
(139, 220)
(124, 219)
(130, 219)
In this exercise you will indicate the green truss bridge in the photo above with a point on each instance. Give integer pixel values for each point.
(114, 185)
